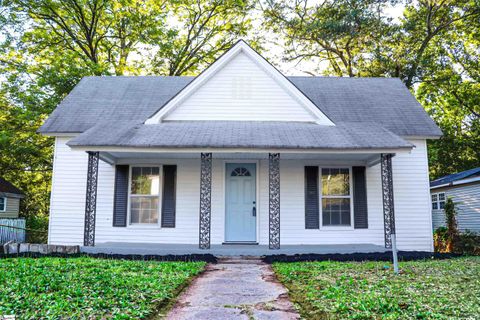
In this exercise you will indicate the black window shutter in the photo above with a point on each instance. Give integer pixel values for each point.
(360, 210)
(120, 200)
(312, 213)
(168, 199)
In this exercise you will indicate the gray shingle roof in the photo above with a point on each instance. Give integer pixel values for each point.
(240, 134)
(454, 177)
(8, 187)
(385, 101)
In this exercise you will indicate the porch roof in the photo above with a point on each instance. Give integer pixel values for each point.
(240, 134)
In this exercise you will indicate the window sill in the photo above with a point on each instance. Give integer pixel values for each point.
(339, 228)
(144, 226)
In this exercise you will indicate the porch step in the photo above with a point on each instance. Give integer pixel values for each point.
(239, 259)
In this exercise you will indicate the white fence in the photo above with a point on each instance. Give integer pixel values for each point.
(12, 229)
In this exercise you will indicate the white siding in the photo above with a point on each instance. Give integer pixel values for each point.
(241, 90)
(467, 205)
(412, 199)
(412, 204)
(67, 203)
(438, 219)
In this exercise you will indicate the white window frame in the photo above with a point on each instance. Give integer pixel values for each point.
(4, 204)
(350, 196)
(438, 201)
(160, 194)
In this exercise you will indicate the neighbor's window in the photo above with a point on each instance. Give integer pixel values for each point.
(3, 204)
(336, 197)
(438, 200)
(144, 195)
(434, 201)
(441, 200)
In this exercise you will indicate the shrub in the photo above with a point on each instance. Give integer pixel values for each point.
(440, 239)
(465, 243)
(468, 243)
(449, 239)
(37, 226)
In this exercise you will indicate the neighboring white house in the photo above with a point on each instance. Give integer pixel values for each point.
(241, 154)
(464, 189)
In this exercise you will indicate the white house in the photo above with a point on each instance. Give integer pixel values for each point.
(464, 189)
(241, 154)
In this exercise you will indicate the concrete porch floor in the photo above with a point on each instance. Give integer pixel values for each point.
(226, 250)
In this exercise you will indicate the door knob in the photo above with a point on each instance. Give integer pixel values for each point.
(254, 211)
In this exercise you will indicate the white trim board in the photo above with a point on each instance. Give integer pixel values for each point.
(241, 47)
(238, 150)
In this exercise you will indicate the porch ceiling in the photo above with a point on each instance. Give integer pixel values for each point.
(147, 157)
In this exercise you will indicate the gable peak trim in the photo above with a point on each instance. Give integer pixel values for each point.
(240, 47)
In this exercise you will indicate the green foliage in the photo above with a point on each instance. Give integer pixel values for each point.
(468, 242)
(26, 162)
(435, 289)
(203, 31)
(81, 288)
(463, 243)
(450, 218)
(449, 239)
(341, 33)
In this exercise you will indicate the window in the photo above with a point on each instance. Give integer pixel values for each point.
(240, 172)
(434, 201)
(144, 195)
(3, 204)
(438, 201)
(336, 197)
(441, 200)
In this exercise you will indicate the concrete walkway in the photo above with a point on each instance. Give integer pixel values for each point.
(235, 289)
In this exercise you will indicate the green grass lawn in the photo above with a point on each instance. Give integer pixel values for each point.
(430, 289)
(85, 287)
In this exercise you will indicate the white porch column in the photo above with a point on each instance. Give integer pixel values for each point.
(274, 200)
(91, 199)
(205, 200)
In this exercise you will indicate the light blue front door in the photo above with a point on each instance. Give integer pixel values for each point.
(240, 202)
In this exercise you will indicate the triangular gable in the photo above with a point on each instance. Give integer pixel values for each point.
(240, 86)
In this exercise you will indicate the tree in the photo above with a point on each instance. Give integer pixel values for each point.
(425, 24)
(26, 161)
(449, 92)
(203, 30)
(102, 34)
(170, 37)
(342, 33)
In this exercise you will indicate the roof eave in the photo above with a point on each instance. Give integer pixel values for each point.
(456, 183)
(12, 195)
(262, 149)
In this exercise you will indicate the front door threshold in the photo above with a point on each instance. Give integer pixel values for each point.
(240, 242)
